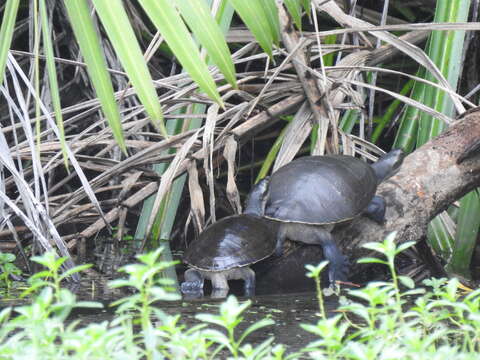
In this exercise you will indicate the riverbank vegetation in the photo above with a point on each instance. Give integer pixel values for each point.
(383, 320)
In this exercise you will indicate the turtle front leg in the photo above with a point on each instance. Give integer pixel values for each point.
(248, 275)
(318, 235)
(337, 262)
(376, 209)
(280, 241)
(193, 282)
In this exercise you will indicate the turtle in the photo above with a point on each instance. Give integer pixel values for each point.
(226, 249)
(311, 194)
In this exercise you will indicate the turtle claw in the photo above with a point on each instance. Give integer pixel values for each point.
(339, 272)
(189, 287)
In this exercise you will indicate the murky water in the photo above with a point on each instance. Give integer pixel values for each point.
(287, 310)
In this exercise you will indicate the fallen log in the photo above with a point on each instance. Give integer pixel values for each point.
(430, 179)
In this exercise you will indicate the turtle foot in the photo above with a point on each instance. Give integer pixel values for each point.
(339, 270)
(376, 210)
(189, 287)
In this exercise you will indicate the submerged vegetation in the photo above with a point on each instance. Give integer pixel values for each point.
(384, 320)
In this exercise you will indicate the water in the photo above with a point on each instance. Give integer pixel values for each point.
(288, 311)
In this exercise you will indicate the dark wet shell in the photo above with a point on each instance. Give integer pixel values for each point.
(321, 189)
(234, 241)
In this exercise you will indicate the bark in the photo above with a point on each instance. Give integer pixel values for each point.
(429, 180)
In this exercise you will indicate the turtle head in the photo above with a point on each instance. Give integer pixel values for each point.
(388, 164)
(257, 198)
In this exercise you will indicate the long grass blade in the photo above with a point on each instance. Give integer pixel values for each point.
(115, 21)
(206, 30)
(466, 235)
(6, 33)
(52, 77)
(271, 12)
(295, 9)
(171, 26)
(253, 15)
(89, 43)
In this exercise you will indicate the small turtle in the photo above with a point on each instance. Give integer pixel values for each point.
(311, 194)
(225, 249)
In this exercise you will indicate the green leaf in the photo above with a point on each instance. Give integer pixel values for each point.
(369, 260)
(271, 12)
(466, 235)
(206, 30)
(376, 246)
(169, 23)
(306, 7)
(295, 9)
(256, 326)
(75, 269)
(211, 319)
(271, 156)
(115, 21)
(439, 238)
(407, 282)
(389, 114)
(87, 39)
(52, 78)
(404, 246)
(6, 33)
(254, 17)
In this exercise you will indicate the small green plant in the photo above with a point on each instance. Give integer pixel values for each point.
(389, 322)
(145, 278)
(7, 269)
(383, 320)
(314, 272)
(229, 317)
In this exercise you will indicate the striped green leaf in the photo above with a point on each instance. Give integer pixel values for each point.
(306, 6)
(206, 30)
(52, 78)
(253, 15)
(168, 21)
(81, 21)
(270, 9)
(295, 9)
(445, 49)
(115, 21)
(406, 137)
(468, 225)
(6, 33)
(388, 116)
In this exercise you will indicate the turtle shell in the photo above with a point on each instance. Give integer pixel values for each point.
(320, 190)
(234, 241)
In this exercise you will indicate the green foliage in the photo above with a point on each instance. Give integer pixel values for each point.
(383, 320)
(7, 268)
(445, 48)
(314, 272)
(6, 33)
(168, 21)
(89, 44)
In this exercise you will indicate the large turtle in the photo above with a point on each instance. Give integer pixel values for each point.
(311, 194)
(225, 249)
